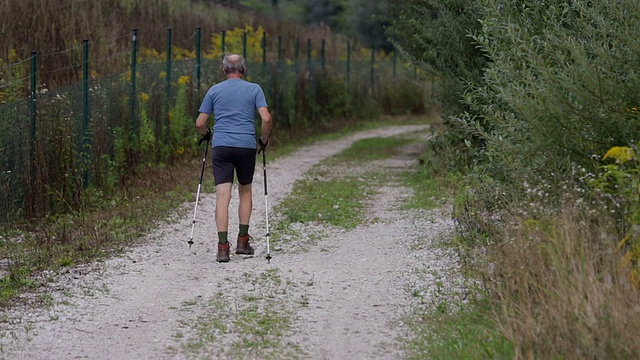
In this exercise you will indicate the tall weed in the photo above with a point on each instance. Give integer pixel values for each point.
(619, 182)
(559, 292)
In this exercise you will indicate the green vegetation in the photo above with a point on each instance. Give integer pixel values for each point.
(540, 119)
(461, 333)
(104, 228)
(333, 195)
(371, 149)
(335, 202)
(431, 192)
(259, 321)
(119, 160)
(360, 19)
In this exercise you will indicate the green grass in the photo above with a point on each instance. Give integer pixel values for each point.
(109, 223)
(256, 325)
(103, 228)
(465, 333)
(429, 192)
(285, 145)
(338, 199)
(376, 148)
(335, 202)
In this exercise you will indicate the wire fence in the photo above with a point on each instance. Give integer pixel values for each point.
(102, 130)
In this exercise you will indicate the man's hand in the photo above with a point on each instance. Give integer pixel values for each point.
(206, 137)
(263, 145)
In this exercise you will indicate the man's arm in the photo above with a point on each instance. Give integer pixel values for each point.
(265, 115)
(201, 123)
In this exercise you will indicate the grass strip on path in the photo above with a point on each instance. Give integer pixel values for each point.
(253, 322)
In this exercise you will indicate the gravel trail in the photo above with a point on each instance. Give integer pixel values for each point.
(333, 294)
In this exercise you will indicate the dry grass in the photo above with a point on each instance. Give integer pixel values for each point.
(56, 29)
(561, 293)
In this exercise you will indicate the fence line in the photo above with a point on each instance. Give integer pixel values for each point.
(100, 132)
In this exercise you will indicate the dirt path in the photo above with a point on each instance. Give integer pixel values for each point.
(331, 294)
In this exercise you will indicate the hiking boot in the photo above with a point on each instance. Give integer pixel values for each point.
(223, 252)
(243, 247)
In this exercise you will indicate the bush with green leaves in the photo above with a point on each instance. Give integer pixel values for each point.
(561, 85)
(543, 207)
(434, 35)
(560, 91)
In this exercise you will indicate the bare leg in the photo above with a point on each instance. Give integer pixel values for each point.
(246, 204)
(223, 198)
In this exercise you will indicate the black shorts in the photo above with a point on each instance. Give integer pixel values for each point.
(226, 159)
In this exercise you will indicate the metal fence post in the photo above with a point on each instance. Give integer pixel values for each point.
(395, 59)
(323, 59)
(373, 49)
(134, 56)
(34, 116)
(244, 46)
(85, 110)
(348, 61)
(34, 92)
(264, 48)
(264, 56)
(279, 48)
(168, 85)
(223, 42)
(198, 60)
(297, 52)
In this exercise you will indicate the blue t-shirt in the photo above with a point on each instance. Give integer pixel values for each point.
(233, 103)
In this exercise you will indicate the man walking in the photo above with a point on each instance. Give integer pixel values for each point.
(233, 103)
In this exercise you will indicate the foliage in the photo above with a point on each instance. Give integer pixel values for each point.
(183, 138)
(328, 12)
(557, 88)
(403, 97)
(558, 290)
(621, 180)
(541, 91)
(336, 202)
(435, 37)
(234, 43)
(135, 136)
(13, 71)
(288, 10)
(360, 19)
(560, 84)
(368, 21)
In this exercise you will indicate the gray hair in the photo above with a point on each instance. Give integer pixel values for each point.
(234, 64)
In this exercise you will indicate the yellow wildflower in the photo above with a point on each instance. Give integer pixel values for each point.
(621, 154)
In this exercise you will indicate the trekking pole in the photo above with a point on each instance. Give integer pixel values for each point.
(266, 194)
(195, 211)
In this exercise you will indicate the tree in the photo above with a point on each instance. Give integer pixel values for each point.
(368, 23)
(434, 35)
(327, 12)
